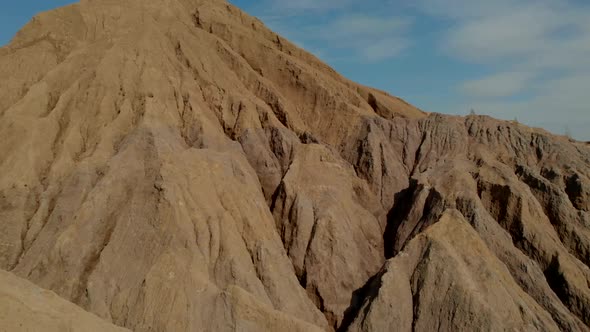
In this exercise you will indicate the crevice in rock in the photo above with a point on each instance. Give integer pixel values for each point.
(52, 101)
(138, 106)
(402, 206)
(51, 208)
(232, 132)
(497, 204)
(281, 147)
(189, 135)
(417, 155)
(417, 284)
(308, 138)
(303, 279)
(574, 190)
(81, 293)
(372, 101)
(196, 17)
(565, 219)
(255, 84)
(560, 285)
(556, 279)
(315, 296)
(362, 297)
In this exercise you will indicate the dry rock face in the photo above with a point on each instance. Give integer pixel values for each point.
(26, 307)
(173, 165)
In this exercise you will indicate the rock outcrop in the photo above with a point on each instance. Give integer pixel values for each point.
(173, 165)
(26, 307)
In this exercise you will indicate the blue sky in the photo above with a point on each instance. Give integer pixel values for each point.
(524, 59)
(15, 14)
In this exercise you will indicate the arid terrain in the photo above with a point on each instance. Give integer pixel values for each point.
(173, 165)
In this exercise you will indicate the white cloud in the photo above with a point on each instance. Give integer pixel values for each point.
(557, 104)
(475, 9)
(354, 37)
(497, 85)
(512, 34)
(541, 53)
(363, 26)
(371, 38)
(536, 52)
(383, 49)
(305, 5)
(520, 34)
(532, 34)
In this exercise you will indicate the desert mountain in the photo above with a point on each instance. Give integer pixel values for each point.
(173, 165)
(26, 307)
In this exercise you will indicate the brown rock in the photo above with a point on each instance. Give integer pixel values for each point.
(174, 165)
(26, 307)
(434, 284)
(335, 244)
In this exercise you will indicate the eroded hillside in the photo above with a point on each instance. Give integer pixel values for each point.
(173, 165)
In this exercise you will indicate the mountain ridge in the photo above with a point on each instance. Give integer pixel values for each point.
(178, 166)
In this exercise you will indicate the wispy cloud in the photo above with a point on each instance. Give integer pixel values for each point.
(540, 50)
(556, 106)
(371, 38)
(535, 53)
(338, 29)
(498, 85)
(305, 5)
(383, 49)
(521, 33)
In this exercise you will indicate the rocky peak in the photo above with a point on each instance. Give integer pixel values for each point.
(174, 165)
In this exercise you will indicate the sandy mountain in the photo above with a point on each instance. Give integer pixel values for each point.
(173, 165)
(26, 307)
